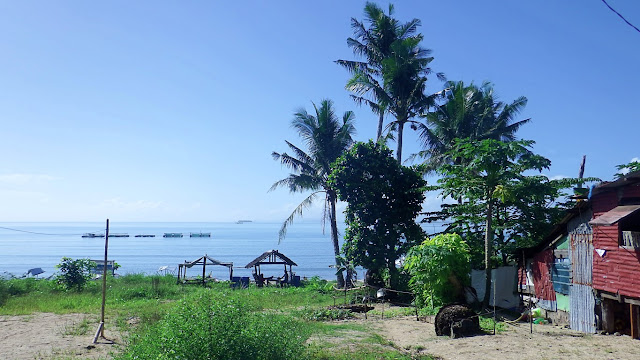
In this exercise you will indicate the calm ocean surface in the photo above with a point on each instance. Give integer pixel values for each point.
(305, 244)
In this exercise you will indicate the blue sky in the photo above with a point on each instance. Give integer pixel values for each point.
(169, 111)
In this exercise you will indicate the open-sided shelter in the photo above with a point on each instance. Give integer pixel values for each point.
(202, 261)
(271, 257)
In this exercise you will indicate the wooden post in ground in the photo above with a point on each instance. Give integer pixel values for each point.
(100, 332)
(635, 321)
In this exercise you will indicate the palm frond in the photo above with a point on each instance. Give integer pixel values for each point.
(306, 203)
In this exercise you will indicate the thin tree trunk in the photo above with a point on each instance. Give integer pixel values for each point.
(334, 238)
(488, 241)
(380, 123)
(399, 152)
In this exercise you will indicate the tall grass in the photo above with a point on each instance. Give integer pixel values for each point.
(214, 326)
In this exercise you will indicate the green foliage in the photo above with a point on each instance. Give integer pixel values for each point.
(74, 274)
(624, 169)
(439, 267)
(321, 285)
(325, 314)
(4, 292)
(210, 326)
(383, 198)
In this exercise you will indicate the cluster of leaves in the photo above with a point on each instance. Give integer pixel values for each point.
(216, 327)
(320, 285)
(624, 169)
(74, 274)
(439, 268)
(384, 199)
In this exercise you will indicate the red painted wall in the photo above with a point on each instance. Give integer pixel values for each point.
(541, 269)
(619, 270)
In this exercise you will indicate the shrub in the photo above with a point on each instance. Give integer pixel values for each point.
(4, 292)
(326, 314)
(320, 285)
(213, 326)
(439, 268)
(74, 274)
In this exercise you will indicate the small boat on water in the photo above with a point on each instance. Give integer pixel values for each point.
(172, 235)
(243, 221)
(118, 235)
(200, 234)
(93, 235)
(145, 235)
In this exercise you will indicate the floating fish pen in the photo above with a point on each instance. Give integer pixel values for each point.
(118, 235)
(243, 221)
(93, 235)
(145, 235)
(172, 235)
(200, 234)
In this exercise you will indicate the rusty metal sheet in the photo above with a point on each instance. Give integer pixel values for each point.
(614, 215)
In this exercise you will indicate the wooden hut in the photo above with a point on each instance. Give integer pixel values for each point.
(202, 261)
(271, 257)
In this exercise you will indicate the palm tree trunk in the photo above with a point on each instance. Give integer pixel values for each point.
(488, 241)
(399, 152)
(380, 123)
(334, 237)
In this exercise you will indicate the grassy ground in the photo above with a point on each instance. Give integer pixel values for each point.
(141, 305)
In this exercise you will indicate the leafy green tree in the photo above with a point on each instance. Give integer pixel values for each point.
(439, 269)
(469, 112)
(486, 174)
(383, 200)
(326, 138)
(74, 274)
(372, 41)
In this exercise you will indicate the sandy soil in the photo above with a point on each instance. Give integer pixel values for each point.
(51, 336)
(546, 342)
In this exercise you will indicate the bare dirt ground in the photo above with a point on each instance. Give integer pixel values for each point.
(546, 342)
(51, 336)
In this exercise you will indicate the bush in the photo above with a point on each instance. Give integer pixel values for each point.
(326, 314)
(320, 285)
(74, 274)
(439, 269)
(208, 327)
(4, 292)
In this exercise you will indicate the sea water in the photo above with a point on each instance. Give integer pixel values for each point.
(31, 245)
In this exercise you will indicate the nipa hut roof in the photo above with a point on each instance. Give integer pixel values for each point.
(271, 254)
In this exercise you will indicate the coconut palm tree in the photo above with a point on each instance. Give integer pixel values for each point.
(375, 44)
(404, 77)
(326, 138)
(469, 112)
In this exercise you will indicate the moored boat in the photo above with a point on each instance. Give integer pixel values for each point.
(200, 234)
(172, 235)
(93, 235)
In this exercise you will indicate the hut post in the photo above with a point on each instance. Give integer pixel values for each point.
(204, 269)
(230, 273)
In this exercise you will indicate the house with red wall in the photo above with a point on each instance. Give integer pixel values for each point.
(588, 269)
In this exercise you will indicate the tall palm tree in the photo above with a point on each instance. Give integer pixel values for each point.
(326, 138)
(404, 77)
(469, 112)
(374, 43)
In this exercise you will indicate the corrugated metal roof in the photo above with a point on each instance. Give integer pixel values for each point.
(614, 215)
